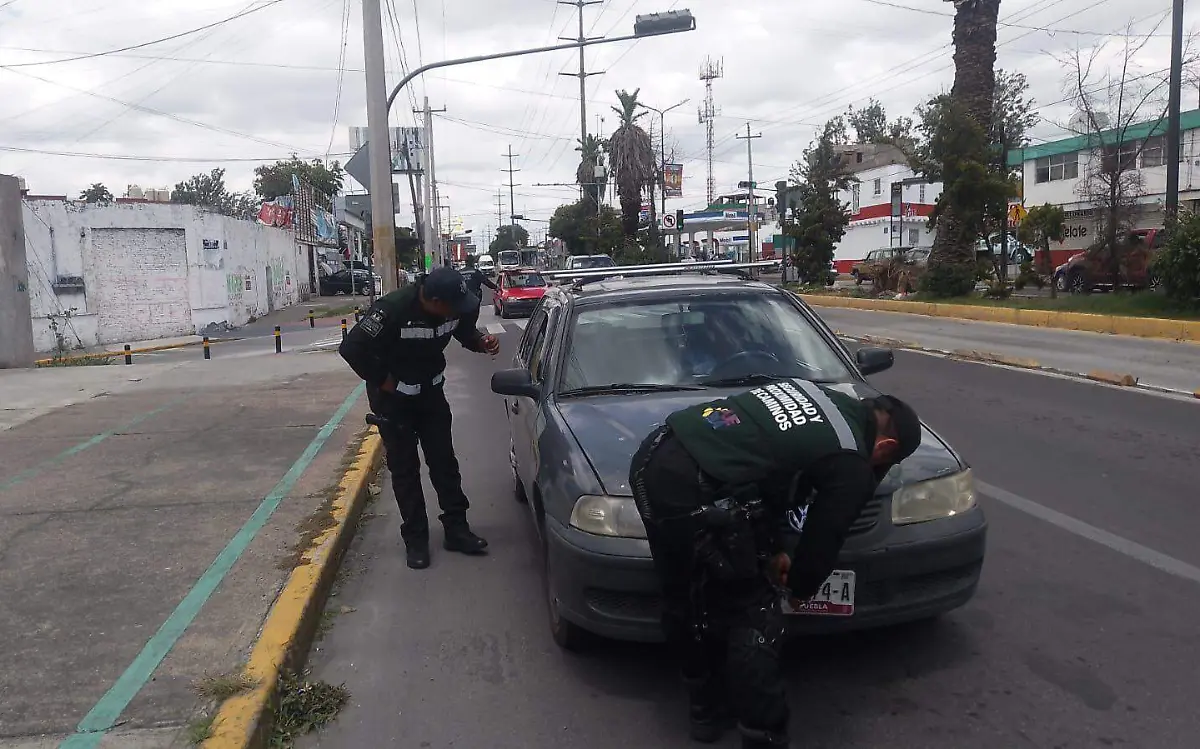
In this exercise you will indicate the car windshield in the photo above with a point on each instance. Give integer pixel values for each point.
(599, 261)
(525, 280)
(723, 340)
(510, 257)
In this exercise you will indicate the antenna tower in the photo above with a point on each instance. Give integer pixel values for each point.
(710, 71)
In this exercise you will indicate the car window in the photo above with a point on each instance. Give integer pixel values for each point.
(692, 340)
(526, 280)
(537, 345)
(596, 261)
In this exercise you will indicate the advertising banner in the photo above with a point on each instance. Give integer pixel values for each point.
(673, 180)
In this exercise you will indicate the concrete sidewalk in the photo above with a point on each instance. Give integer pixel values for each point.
(1165, 364)
(152, 512)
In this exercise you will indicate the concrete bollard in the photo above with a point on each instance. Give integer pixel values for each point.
(128, 355)
(207, 351)
(343, 327)
(278, 340)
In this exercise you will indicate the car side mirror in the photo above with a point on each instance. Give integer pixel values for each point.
(516, 382)
(870, 360)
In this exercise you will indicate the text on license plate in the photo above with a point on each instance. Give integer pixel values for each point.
(835, 597)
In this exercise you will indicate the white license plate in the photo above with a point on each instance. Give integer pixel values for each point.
(834, 598)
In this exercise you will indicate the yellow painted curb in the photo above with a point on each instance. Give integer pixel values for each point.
(987, 356)
(244, 721)
(1142, 327)
(1196, 393)
(1124, 380)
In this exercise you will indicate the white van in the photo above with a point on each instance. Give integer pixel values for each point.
(486, 265)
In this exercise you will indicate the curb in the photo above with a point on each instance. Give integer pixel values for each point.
(142, 350)
(1141, 327)
(244, 721)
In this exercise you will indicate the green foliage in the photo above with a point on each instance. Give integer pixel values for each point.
(97, 194)
(1042, 225)
(584, 232)
(591, 152)
(1177, 264)
(509, 237)
(275, 180)
(817, 218)
(304, 706)
(871, 125)
(948, 280)
(633, 160)
(408, 247)
(209, 191)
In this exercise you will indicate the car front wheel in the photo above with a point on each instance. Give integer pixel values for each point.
(1077, 282)
(567, 635)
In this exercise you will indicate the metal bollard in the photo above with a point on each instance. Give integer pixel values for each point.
(357, 313)
(343, 327)
(312, 321)
(207, 352)
(128, 355)
(278, 340)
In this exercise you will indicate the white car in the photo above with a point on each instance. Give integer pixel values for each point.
(486, 265)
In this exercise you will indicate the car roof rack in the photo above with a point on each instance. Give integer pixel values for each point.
(581, 278)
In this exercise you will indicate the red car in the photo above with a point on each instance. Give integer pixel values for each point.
(520, 291)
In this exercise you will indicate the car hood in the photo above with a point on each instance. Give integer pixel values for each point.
(610, 429)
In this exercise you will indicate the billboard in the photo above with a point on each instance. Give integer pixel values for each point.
(403, 159)
(673, 180)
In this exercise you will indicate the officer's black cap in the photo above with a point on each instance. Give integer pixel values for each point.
(905, 424)
(447, 285)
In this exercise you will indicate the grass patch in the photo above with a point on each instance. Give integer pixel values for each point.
(84, 360)
(304, 706)
(223, 686)
(198, 730)
(341, 310)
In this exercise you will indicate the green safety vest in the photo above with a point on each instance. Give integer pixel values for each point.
(783, 426)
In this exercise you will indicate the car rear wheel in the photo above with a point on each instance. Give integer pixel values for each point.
(858, 279)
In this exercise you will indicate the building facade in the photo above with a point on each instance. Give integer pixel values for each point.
(1058, 173)
(143, 271)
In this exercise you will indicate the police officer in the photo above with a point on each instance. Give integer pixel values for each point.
(476, 279)
(398, 349)
(805, 459)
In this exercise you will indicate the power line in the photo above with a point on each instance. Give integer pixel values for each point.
(1047, 29)
(152, 42)
(163, 159)
(337, 99)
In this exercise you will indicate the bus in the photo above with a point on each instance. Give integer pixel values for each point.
(508, 260)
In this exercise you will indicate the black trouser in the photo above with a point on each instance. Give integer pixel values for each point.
(736, 656)
(424, 418)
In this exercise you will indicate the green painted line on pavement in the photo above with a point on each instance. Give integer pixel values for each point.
(91, 730)
(29, 473)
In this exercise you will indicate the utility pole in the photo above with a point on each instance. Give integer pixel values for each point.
(709, 72)
(1176, 84)
(499, 212)
(413, 175)
(512, 212)
(582, 75)
(433, 235)
(383, 213)
(750, 187)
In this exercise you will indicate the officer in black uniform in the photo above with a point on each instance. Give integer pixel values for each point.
(747, 500)
(398, 349)
(476, 279)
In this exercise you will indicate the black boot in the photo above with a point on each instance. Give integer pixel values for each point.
(756, 739)
(460, 538)
(417, 552)
(709, 716)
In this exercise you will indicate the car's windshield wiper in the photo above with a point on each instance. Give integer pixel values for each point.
(746, 379)
(627, 387)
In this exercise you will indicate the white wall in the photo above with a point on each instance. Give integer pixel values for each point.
(153, 270)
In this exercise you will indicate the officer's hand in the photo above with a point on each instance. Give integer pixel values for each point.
(778, 568)
(389, 385)
(491, 344)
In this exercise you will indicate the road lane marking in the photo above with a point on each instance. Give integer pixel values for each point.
(1131, 549)
(521, 323)
(495, 328)
(101, 718)
(29, 473)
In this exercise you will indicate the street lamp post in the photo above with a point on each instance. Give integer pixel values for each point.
(662, 161)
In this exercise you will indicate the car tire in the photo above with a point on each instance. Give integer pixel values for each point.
(567, 635)
(1077, 282)
(1060, 281)
(857, 278)
(503, 311)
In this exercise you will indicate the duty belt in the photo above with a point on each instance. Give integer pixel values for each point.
(403, 388)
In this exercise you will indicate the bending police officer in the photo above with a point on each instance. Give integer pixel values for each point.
(398, 348)
(745, 500)
(476, 279)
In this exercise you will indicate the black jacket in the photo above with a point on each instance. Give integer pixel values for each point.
(476, 280)
(396, 337)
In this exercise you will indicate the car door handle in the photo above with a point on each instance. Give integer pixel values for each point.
(516, 407)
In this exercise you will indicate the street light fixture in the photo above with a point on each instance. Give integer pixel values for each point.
(662, 153)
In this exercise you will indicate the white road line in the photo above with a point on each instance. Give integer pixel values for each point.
(1131, 549)
(521, 323)
(495, 328)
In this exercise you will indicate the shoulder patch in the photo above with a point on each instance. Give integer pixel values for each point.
(372, 324)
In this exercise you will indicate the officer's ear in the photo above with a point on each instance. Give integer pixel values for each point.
(884, 451)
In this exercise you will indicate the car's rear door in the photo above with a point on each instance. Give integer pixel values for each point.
(523, 412)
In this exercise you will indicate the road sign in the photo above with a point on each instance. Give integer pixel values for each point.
(359, 166)
(1017, 213)
(668, 221)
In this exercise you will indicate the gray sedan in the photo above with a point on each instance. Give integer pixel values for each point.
(602, 363)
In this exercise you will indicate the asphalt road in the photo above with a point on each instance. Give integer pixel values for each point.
(1069, 644)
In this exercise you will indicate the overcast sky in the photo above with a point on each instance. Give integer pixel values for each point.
(260, 87)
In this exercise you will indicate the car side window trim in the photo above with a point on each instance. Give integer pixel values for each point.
(538, 347)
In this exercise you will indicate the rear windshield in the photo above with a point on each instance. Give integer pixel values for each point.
(525, 280)
(689, 341)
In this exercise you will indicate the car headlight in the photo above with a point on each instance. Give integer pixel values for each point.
(607, 516)
(936, 498)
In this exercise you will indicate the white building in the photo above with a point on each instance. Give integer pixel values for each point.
(144, 271)
(1054, 173)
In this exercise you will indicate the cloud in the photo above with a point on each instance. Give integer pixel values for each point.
(265, 85)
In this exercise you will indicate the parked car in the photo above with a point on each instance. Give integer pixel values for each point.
(589, 262)
(348, 281)
(602, 363)
(520, 291)
(871, 267)
(1088, 271)
(486, 265)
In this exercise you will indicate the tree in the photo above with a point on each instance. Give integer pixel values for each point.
(583, 231)
(205, 190)
(633, 160)
(1177, 264)
(957, 129)
(274, 180)
(408, 247)
(1107, 114)
(510, 237)
(591, 154)
(869, 122)
(97, 194)
(1041, 226)
(818, 218)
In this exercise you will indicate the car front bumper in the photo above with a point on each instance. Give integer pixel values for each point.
(520, 306)
(608, 585)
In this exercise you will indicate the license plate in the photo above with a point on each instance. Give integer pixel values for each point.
(834, 598)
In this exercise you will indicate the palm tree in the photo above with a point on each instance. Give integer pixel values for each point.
(590, 151)
(632, 160)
